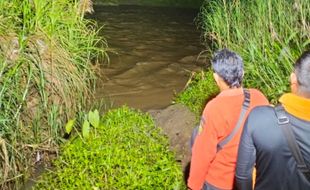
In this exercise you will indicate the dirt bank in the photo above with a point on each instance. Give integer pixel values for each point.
(177, 122)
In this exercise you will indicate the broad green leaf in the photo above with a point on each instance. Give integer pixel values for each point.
(85, 129)
(94, 118)
(70, 125)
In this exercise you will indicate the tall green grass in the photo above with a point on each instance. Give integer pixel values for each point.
(269, 35)
(46, 76)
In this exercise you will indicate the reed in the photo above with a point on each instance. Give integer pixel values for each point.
(47, 51)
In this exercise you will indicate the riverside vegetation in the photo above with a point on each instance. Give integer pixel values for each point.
(269, 36)
(46, 76)
(200, 88)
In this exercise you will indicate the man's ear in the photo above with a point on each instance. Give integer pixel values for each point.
(293, 78)
(294, 82)
(216, 78)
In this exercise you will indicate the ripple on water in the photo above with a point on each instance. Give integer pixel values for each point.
(156, 51)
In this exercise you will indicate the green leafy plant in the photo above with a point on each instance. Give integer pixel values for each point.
(90, 119)
(126, 151)
(94, 118)
(69, 126)
(85, 129)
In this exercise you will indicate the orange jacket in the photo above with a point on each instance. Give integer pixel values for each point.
(218, 120)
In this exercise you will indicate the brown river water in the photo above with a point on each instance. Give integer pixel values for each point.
(155, 50)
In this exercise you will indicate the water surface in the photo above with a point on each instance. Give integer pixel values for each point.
(156, 49)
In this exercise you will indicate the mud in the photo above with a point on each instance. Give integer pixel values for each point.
(177, 123)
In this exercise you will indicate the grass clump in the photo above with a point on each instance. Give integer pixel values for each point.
(200, 88)
(269, 35)
(46, 75)
(126, 151)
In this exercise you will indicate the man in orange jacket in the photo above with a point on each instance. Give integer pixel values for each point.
(213, 168)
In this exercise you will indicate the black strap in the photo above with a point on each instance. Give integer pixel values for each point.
(245, 106)
(286, 127)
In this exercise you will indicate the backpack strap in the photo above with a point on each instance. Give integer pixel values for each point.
(245, 106)
(286, 126)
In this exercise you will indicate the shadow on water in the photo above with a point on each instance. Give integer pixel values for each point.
(156, 47)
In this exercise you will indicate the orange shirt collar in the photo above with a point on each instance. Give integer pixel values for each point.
(296, 105)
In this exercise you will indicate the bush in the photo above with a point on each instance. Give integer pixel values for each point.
(126, 151)
(200, 88)
(269, 35)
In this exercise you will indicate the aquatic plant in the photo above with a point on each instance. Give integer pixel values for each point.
(46, 76)
(125, 151)
(269, 35)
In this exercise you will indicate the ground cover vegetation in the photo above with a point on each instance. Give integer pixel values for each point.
(269, 35)
(46, 75)
(200, 88)
(121, 150)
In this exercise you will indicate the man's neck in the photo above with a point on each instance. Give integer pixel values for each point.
(228, 88)
(303, 94)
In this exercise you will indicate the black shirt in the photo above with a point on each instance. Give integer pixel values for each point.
(264, 144)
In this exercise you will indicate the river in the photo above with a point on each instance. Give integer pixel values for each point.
(153, 52)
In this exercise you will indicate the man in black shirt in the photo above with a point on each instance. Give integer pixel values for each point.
(264, 144)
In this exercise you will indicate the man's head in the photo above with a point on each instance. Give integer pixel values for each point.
(300, 78)
(228, 68)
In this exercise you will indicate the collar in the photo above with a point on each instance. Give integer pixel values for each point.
(296, 105)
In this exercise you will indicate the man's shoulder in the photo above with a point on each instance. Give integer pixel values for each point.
(215, 103)
(262, 110)
(262, 115)
(211, 105)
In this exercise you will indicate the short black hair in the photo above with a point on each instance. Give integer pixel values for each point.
(229, 66)
(302, 71)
